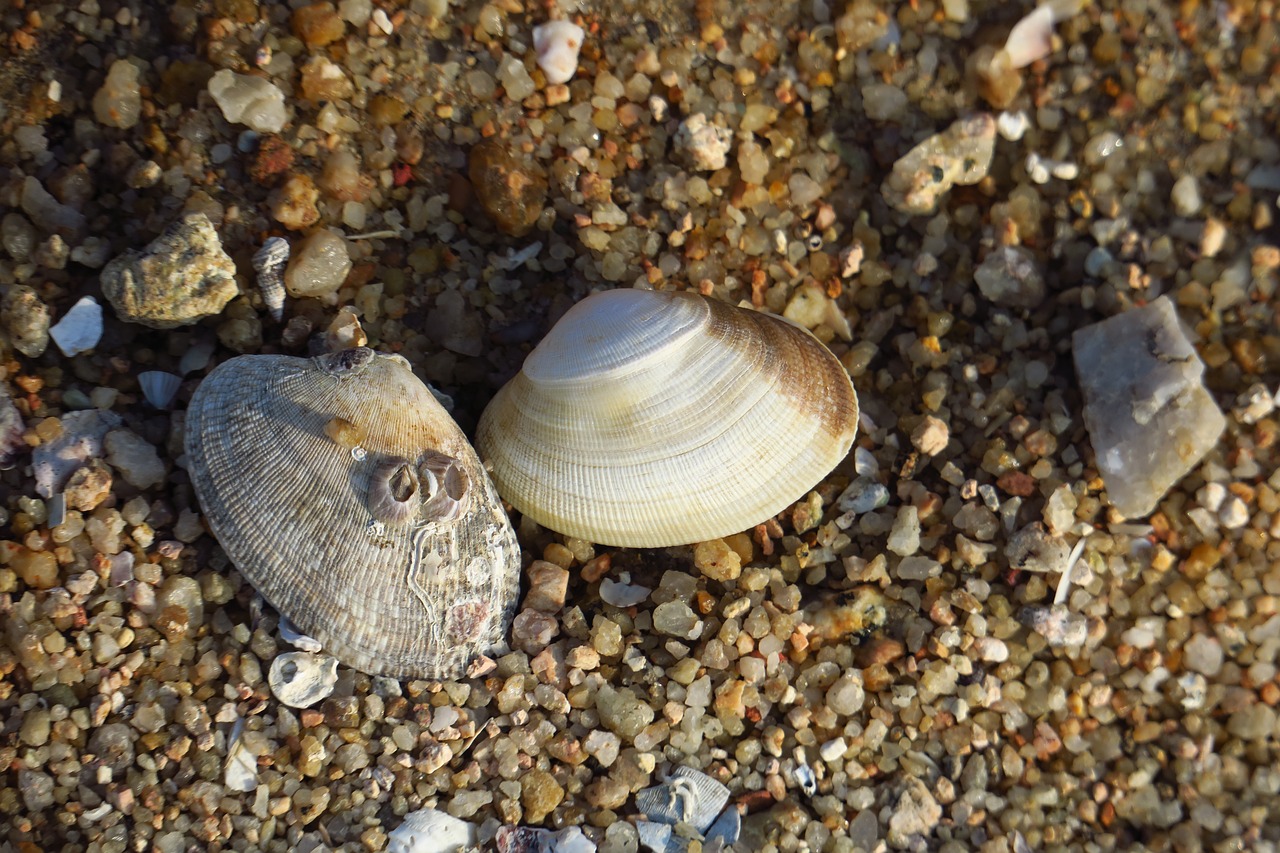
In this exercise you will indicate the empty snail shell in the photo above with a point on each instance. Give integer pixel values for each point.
(648, 419)
(351, 500)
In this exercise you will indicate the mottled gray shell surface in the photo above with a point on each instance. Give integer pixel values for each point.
(353, 503)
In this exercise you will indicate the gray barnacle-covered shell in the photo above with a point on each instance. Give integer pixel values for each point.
(353, 503)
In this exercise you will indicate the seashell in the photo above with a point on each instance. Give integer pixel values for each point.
(431, 831)
(658, 837)
(622, 594)
(291, 635)
(196, 358)
(727, 828)
(269, 262)
(80, 329)
(159, 387)
(301, 679)
(240, 772)
(649, 419)
(11, 431)
(557, 44)
(529, 839)
(688, 796)
(411, 585)
(80, 442)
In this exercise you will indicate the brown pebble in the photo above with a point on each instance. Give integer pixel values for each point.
(318, 24)
(510, 188)
(293, 205)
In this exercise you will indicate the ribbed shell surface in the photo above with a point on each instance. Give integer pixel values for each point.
(290, 506)
(649, 419)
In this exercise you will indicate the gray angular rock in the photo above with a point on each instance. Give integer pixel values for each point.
(1149, 416)
(181, 277)
(26, 318)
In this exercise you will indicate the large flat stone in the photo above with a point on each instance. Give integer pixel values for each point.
(1147, 411)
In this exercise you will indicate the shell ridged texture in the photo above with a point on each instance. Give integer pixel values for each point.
(650, 419)
(291, 506)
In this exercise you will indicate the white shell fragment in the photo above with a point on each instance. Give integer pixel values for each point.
(529, 839)
(80, 329)
(241, 770)
(291, 635)
(648, 419)
(301, 679)
(159, 387)
(622, 594)
(431, 831)
(557, 44)
(270, 262)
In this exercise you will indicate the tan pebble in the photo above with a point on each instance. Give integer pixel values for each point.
(879, 651)
(717, 561)
(931, 436)
(548, 584)
(558, 554)
(596, 568)
(293, 205)
(344, 432)
(318, 24)
(540, 793)
(584, 658)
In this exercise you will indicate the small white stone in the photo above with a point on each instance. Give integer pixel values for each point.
(1203, 654)
(1234, 513)
(80, 329)
(705, 144)
(1211, 495)
(1186, 196)
(833, 750)
(248, 100)
(557, 44)
(1012, 126)
(991, 649)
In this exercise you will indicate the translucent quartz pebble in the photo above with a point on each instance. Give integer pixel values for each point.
(1149, 416)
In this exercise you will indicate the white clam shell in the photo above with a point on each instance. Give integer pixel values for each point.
(430, 831)
(241, 770)
(301, 679)
(649, 419)
(557, 44)
(159, 387)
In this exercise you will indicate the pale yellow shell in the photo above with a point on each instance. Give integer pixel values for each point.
(648, 419)
(286, 456)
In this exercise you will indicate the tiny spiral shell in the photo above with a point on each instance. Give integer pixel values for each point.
(269, 262)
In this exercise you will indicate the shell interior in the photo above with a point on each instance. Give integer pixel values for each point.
(650, 419)
(418, 593)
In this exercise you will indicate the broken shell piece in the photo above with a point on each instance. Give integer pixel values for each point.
(11, 430)
(726, 829)
(688, 796)
(291, 635)
(301, 679)
(159, 387)
(241, 770)
(196, 357)
(80, 329)
(1031, 38)
(270, 262)
(658, 838)
(557, 44)
(79, 442)
(528, 839)
(431, 831)
(621, 594)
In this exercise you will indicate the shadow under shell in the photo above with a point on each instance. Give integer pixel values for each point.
(288, 497)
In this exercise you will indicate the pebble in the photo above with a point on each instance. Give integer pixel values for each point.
(914, 815)
(1203, 654)
(931, 436)
(961, 154)
(904, 538)
(1008, 276)
(80, 329)
(26, 319)
(515, 79)
(510, 188)
(705, 145)
(119, 102)
(319, 266)
(249, 100)
(540, 793)
(717, 561)
(548, 584)
(180, 278)
(557, 44)
(1149, 416)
